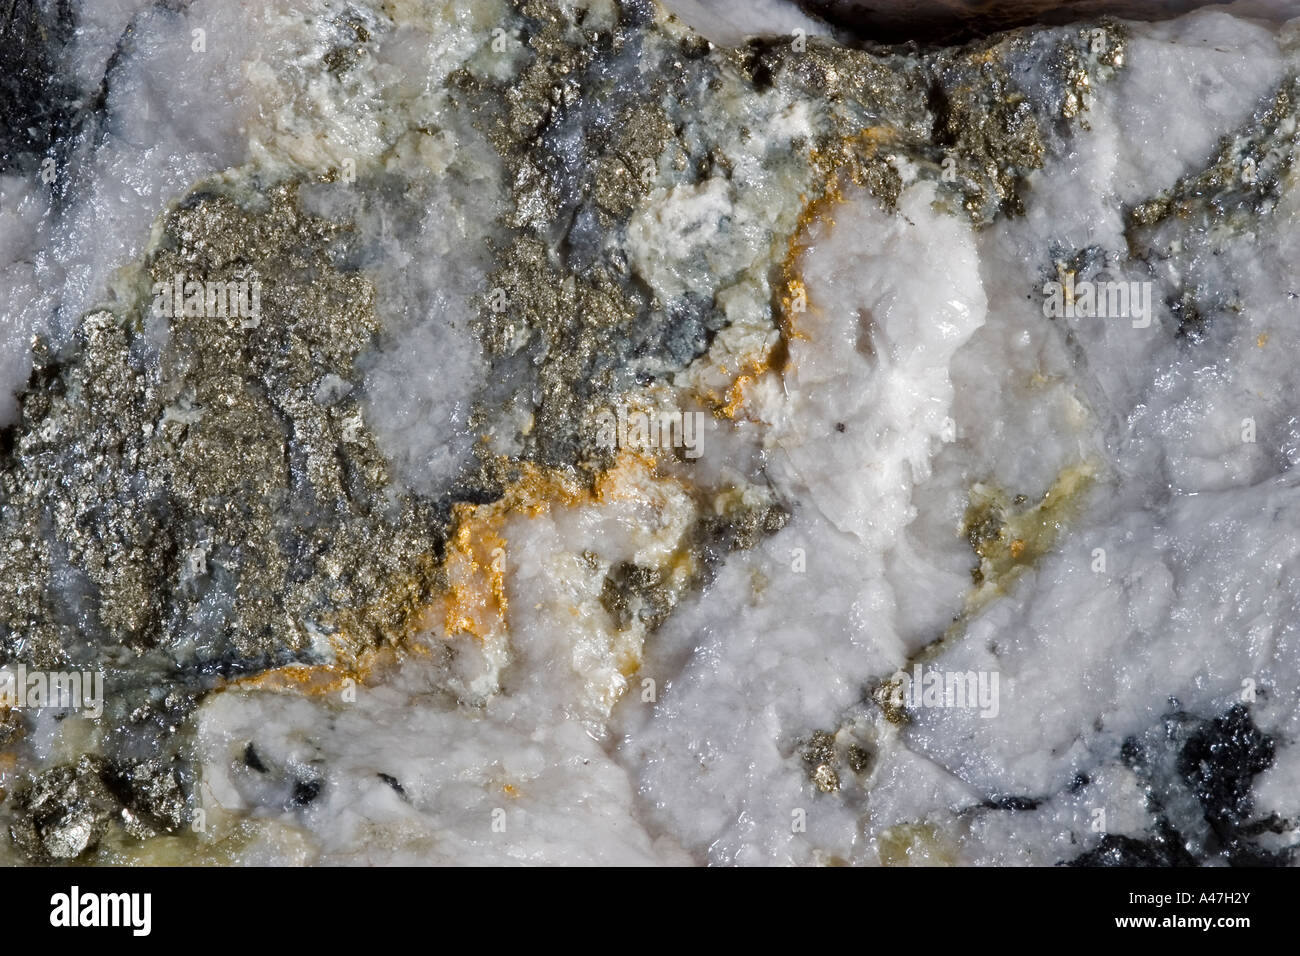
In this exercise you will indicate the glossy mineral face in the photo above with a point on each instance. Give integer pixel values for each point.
(557, 431)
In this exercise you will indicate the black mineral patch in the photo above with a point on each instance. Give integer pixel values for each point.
(37, 102)
(394, 783)
(305, 792)
(251, 760)
(1219, 764)
(1016, 803)
(1123, 851)
(1197, 774)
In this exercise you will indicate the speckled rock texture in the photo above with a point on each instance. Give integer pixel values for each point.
(612, 431)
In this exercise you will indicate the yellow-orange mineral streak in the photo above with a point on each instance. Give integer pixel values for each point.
(839, 166)
(473, 597)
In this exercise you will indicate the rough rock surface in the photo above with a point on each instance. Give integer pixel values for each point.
(623, 422)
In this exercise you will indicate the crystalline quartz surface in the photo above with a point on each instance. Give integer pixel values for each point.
(369, 583)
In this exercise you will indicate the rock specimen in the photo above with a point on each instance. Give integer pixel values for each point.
(537, 431)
